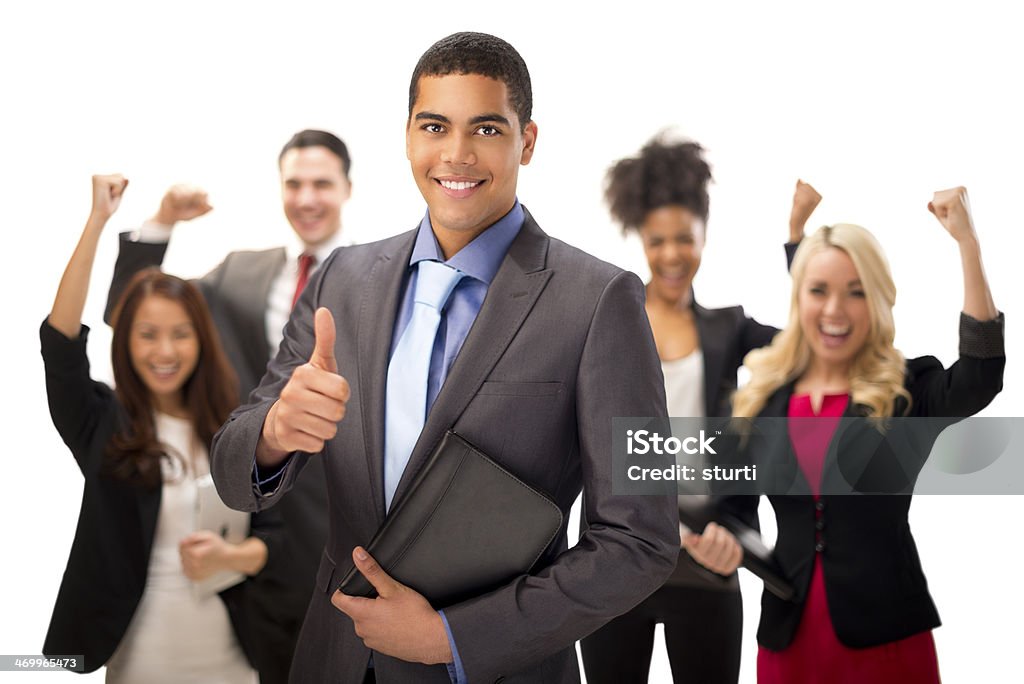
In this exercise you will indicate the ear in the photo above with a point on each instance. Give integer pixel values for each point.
(529, 141)
(408, 135)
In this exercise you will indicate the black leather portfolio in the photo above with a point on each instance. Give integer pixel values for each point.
(465, 526)
(697, 511)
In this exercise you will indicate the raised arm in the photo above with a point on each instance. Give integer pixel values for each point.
(805, 200)
(147, 246)
(66, 314)
(953, 210)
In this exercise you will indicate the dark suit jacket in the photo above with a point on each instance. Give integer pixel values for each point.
(560, 346)
(106, 571)
(236, 292)
(874, 583)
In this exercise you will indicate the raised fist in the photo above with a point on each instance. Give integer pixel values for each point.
(182, 203)
(953, 210)
(106, 194)
(805, 199)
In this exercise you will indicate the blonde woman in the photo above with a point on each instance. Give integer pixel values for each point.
(862, 612)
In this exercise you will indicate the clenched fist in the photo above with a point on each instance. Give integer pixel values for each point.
(182, 203)
(106, 195)
(312, 403)
(805, 200)
(953, 210)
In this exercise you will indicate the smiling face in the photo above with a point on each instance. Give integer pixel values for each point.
(313, 190)
(465, 145)
(164, 349)
(833, 310)
(673, 241)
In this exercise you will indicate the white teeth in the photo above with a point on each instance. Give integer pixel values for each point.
(165, 370)
(459, 185)
(834, 329)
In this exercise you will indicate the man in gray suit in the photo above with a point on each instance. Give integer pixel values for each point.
(250, 295)
(538, 346)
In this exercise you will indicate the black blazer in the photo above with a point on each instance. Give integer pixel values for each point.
(875, 587)
(106, 571)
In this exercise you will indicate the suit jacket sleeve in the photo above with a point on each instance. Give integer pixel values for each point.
(132, 257)
(632, 542)
(233, 450)
(79, 406)
(971, 383)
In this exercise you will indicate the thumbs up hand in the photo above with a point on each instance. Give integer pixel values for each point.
(311, 404)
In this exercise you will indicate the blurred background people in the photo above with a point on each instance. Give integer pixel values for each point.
(862, 611)
(662, 194)
(127, 597)
(251, 295)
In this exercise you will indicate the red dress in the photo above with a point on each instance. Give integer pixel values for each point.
(816, 655)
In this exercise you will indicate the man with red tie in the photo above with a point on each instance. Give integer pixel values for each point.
(251, 295)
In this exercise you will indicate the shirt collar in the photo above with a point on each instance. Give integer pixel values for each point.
(295, 247)
(482, 257)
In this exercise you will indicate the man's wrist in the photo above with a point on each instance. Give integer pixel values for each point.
(269, 452)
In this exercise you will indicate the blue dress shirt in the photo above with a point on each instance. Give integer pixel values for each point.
(479, 260)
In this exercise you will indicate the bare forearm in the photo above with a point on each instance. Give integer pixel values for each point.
(978, 303)
(248, 556)
(66, 315)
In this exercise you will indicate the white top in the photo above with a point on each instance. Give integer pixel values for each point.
(174, 637)
(684, 385)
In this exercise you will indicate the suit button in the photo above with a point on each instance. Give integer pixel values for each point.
(819, 547)
(819, 524)
(819, 505)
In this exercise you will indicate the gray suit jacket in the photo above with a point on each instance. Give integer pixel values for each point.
(561, 345)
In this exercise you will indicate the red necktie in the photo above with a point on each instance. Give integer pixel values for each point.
(305, 266)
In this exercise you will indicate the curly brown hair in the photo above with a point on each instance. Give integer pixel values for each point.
(664, 173)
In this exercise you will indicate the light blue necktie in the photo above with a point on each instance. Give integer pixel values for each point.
(406, 401)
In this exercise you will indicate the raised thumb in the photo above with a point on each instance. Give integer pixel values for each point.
(323, 349)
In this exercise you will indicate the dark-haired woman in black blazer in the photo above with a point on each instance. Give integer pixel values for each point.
(662, 194)
(127, 596)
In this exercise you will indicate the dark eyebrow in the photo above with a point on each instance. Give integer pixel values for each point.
(492, 117)
(424, 116)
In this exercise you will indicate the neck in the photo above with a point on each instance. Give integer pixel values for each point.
(681, 304)
(825, 378)
(172, 405)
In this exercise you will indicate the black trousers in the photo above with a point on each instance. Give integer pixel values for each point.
(702, 633)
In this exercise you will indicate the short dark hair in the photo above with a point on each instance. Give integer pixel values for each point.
(314, 138)
(482, 54)
(664, 173)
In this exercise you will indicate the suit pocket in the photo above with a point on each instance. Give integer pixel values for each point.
(521, 389)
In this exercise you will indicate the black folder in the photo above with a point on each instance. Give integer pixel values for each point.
(697, 511)
(466, 526)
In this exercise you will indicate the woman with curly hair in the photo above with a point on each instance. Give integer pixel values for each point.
(662, 194)
(861, 610)
(127, 599)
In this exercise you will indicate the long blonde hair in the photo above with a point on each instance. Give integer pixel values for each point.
(877, 372)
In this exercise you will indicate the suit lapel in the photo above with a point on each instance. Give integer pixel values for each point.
(382, 296)
(710, 332)
(252, 301)
(512, 294)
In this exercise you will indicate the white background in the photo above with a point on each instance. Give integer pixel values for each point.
(877, 105)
